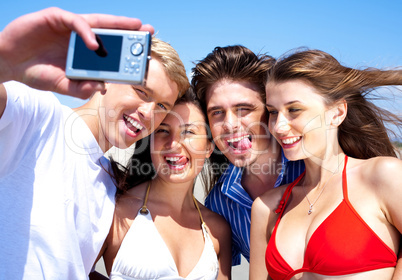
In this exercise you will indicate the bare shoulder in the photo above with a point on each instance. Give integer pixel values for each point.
(269, 200)
(216, 224)
(382, 171)
(128, 204)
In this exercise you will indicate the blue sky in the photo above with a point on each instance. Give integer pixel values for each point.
(358, 33)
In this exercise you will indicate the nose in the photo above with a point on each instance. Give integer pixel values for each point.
(173, 142)
(282, 124)
(231, 122)
(146, 109)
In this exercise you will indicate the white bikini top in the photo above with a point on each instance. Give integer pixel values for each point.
(144, 255)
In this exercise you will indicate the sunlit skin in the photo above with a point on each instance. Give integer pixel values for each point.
(180, 144)
(307, 128)
(235, 110)
(126, 113)
(179, 148)
(298, 120)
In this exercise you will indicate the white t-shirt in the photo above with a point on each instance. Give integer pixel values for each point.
(57, 201)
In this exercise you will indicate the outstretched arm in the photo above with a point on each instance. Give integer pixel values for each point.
(33, 48)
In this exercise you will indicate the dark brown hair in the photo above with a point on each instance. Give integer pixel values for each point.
(233, 63)
(363, 133)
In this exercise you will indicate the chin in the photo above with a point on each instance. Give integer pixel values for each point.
(242, 162)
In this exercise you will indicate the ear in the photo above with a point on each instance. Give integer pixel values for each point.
(210, 148)
(340, 111)
(107, 85)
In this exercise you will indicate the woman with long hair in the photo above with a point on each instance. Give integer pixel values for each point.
(342, 217)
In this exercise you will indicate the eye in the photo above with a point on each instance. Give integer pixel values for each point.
(216, 113)
(272, 112)
(294, 110)
(162, 130)
(162, 106)
(140, 92)
(189, 132)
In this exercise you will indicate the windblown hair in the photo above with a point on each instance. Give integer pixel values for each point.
(363, 133)
(174, 68)
(130, 176)
(233, 63)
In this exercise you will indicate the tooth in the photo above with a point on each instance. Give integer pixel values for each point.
(291, 140)
(237, 139)
(172, 158)
(134, 123)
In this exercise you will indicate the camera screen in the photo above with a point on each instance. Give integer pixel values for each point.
(86, 59)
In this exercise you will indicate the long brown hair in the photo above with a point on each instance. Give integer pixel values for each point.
(363, 133)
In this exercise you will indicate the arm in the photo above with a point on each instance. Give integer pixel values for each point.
(259, 236)
(3, 99)
(225, 252)
(388, 172)
(33, 48)
(398, 270)
(97, 276)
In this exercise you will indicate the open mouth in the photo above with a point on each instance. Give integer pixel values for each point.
(132, 124)
(290, 141)
(176, 162)
(240, 143)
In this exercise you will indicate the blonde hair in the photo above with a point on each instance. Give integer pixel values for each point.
(174, 68)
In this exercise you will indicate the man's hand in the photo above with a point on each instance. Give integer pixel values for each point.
(33, 48)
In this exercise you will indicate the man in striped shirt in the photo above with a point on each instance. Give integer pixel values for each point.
(247, 161)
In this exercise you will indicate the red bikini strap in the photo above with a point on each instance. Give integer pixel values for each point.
(344, 181)
(286, 195)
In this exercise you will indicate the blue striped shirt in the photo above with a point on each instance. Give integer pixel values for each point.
(229, 199)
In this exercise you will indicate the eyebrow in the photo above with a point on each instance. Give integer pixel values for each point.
(190, 125)
(214, 108)
(286, 104)
(181, 126)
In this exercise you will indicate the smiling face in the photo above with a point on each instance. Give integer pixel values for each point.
(237, 118)
(180, 145)
(131, 112)
(299, 119)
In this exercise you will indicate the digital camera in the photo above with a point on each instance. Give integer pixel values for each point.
(123, 56)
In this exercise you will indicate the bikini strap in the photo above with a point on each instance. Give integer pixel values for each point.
(144, 210)
(344, 181)
(199, 211)
(286, 195)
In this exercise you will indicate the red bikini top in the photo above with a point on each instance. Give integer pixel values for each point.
(343, 244)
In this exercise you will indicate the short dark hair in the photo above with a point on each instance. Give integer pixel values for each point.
(234, 63)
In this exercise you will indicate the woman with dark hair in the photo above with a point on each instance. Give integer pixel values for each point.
(342, 217)
(160, 231)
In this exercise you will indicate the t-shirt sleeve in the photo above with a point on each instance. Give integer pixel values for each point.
(22, 122)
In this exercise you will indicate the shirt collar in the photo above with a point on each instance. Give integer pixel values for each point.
(231, 186)
(231, 183)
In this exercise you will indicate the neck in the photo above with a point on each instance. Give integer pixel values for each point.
(320, 170)
(261, 175)
(176, 195)
(89, 113)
